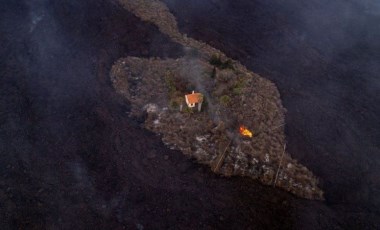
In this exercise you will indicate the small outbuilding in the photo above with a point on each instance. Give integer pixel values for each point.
(194, 99)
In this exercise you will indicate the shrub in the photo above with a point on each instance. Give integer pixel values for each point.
(238, 87)
(225, 100)
(170, 83)
(173, 104)
(227, 65)
(187, 109)
(217, 62)
(237, 90)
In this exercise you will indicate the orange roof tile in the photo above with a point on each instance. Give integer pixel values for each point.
(194, 98)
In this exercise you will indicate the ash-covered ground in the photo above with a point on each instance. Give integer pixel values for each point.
(71, 158)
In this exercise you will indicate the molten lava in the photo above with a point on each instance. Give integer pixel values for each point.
(244, 131)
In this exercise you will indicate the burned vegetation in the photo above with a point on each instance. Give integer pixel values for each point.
(217, 112)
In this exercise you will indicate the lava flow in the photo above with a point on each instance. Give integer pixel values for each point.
(244, 131)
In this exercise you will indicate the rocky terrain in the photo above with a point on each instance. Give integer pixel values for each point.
(234, 98)
(72, 158)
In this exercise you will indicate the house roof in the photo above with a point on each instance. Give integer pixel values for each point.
(193, 98)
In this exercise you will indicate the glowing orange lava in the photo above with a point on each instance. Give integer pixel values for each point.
(244, 131)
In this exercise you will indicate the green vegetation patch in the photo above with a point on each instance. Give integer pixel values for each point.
(225, 100)
(239, 86)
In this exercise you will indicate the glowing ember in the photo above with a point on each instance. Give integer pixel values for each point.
(244, 131)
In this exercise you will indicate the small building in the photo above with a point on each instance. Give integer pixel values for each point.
(194, 99)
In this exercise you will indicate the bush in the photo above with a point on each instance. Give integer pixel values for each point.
(170, 83)
(227, 65)
(187, 109)
(225, 100)
(237, 90)
(217, 62)
(173, 104)
(238, 87)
